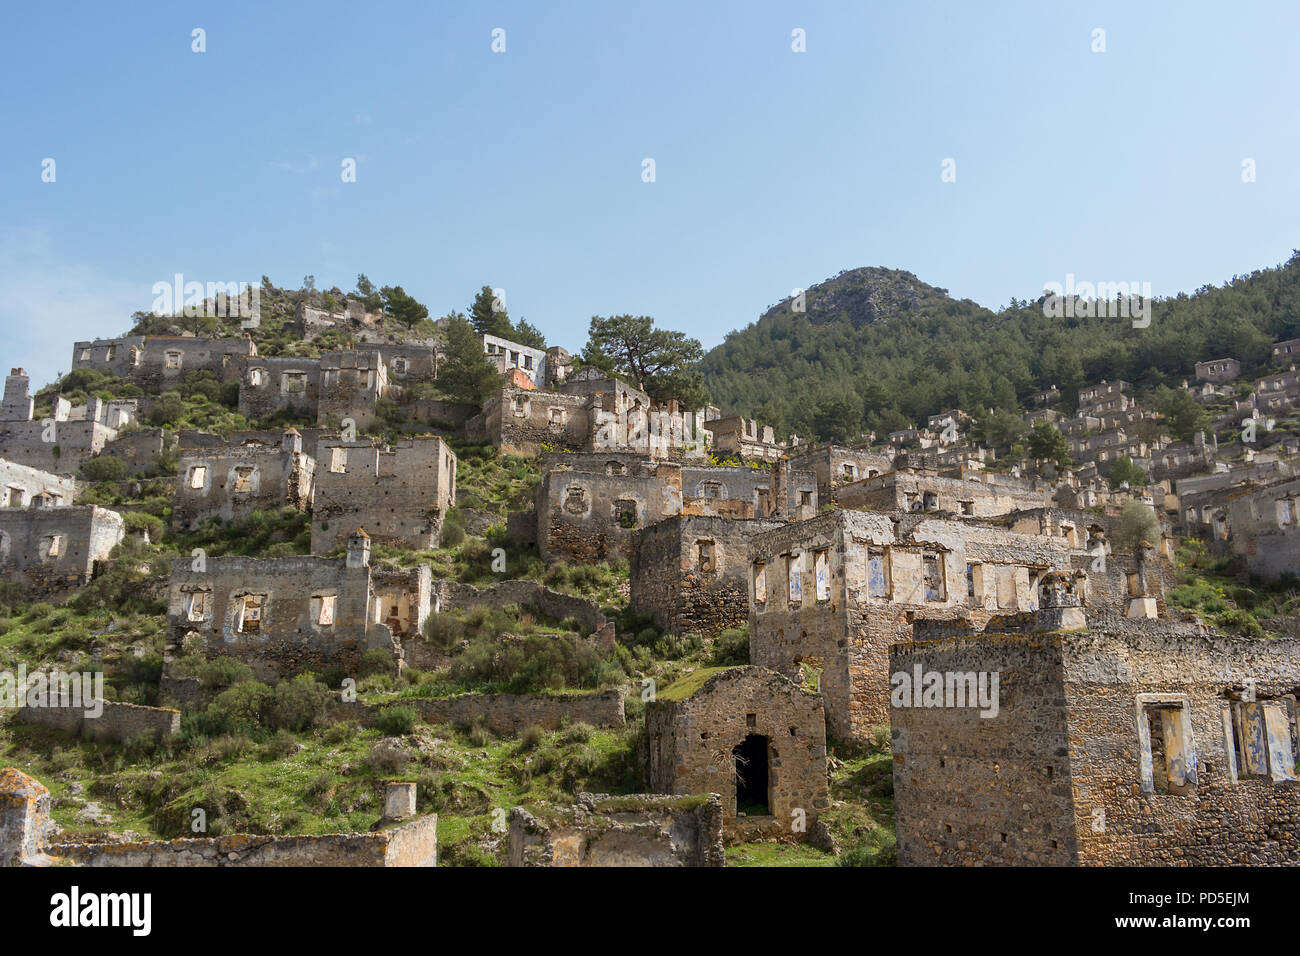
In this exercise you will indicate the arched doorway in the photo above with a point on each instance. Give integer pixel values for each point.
(752, 776)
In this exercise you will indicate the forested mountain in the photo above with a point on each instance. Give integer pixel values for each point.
(878, 348)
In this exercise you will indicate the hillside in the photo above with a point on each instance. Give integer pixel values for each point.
(878, 348)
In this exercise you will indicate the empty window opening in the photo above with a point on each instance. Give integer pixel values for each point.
(1168, 749)
(932, 576)
(822, 574)
(173, 360)
(575, 500)
(243, 479)
(198, 605)
(338, 460)
(52, 545)
(706, 556)
(250, 613)
(752, 776)
(322, 610)
(792, 578)
(198, 475)
(760, 582)
(625, 512)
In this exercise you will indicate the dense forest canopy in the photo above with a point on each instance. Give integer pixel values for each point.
(877, 349)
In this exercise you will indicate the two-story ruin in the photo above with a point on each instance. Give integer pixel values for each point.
(231, 481)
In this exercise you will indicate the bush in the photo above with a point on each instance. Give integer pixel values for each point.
(396, 721)
(732, 647)
(376, 661)
(222, 672)
(531, 738)
(105, 468)
(300, 703)
(241, 709)
(877, 848)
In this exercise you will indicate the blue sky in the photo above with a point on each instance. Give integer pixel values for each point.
(523, 169)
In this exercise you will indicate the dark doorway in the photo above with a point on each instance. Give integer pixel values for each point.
(751, 776)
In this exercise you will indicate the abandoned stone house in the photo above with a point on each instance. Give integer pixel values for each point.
(589, 505)
(830, 595)
(158, 362)
(243, 476)
(283, 616)
(1105, 397)
(273, 385)
(25, 487)
(589, 412)
(690, 573)
(351, 382)
(838, 465)
(978, 496)
(1132, 744)
(53, 550)
(749, 735)
(746, 439)
(58, 443)
(1218, 371)
(400, 494)
(1264, 524)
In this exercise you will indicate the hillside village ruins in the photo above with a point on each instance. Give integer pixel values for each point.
(921, 555)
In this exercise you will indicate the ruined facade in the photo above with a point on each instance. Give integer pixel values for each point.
(1265, 528)
(1130, 745)
(752, 737)
(351, 381)
(691, 572)
(926, 491)
(271, 386)
(246, 475)
(159, 362)
(24, 487)
(54, 550)
(838, 465)
(399, 494)
(287, 615)
(831, 594)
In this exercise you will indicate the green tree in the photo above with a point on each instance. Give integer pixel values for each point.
(1136, 523)
(997, 428)
(1124, 470)
(467, 376)
(1046, 443)
(368, 294)
(402, 307)
(487, 318)
(1183, 415)
(837, 420)
(526, 333)
(660, 362)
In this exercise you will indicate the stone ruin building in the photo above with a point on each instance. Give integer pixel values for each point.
(283, 616)
(25, 487)
(916, 490)
(831, 594)
(1125, 744)
(247, 473)
(53, 551)
(399, 493)
(589, 506)
(159, 362)
(690, 573)
(1265, 527)
(752, 737)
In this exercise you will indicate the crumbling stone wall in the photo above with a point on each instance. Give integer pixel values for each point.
(527, 422)
(117, 723)
(268, 612)
(22, 486)
(140, 448)
(399, 494)
(159, 362)
(351, 381)
(1265, 528)
(629, 830)
(233, 481)
(506, 714)
(838, 465)
(691, 573)
(879, 572)
(692, 744)
(451, 595)
(271, 385)
(908, 491)
(588, 506)
(54, 550)
(1071, 771)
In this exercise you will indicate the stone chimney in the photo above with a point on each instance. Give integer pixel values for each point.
(292, 440)
(358, 549)
(399, 801)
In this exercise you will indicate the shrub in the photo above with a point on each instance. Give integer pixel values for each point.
(376, 661)
(396, 721)
(240, 709)
(105, 468)
(732, 647)
(531, 738)
(300, 703)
